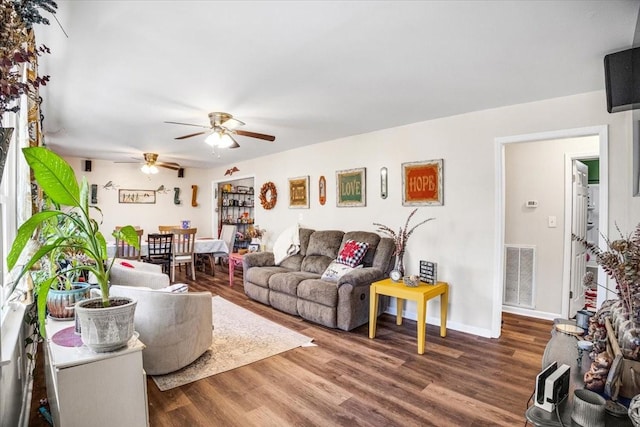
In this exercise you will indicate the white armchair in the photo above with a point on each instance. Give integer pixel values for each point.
(176, 328)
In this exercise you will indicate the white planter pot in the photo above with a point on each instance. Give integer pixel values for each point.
(106, 329)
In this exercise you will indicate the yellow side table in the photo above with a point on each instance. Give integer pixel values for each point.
(420, 294)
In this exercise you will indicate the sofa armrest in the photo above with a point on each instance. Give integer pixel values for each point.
(257, 259)
(361, 277)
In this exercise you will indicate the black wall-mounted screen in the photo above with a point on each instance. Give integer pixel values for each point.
(622, 80)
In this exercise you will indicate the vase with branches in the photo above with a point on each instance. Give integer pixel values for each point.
(400, 238)
(621, 262)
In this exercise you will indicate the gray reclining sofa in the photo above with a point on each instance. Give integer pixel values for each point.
(295, 286)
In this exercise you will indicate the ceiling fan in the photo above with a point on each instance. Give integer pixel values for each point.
(151, 164)
(223, 127)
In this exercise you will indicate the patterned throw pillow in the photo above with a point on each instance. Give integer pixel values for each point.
(352, 253)
(335, 271)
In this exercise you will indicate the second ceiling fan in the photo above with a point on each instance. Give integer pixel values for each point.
(223, 127)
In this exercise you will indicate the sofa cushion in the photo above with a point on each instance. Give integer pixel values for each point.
(287, 283)
(325, 242)
(372, 239)
(305, 235)
(323, 248)
(319, 291)
(260, 276)
(293, 262)
(352, 253)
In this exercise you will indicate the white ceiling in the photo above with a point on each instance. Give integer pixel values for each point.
(306, 71)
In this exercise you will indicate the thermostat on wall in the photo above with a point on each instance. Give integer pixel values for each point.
(531, 203)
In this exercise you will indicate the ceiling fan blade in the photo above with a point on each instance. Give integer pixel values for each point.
(188, 124)
(173, 166)
(190, 135)
(232, 123)
(255, 135)
(235, 143)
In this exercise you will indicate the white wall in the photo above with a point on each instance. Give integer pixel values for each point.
(535, 171)
(148, 216)
(461, 239)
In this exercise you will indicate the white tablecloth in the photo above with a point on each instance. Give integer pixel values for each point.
(202, 245)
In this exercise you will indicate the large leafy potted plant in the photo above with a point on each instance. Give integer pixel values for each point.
(58, 181)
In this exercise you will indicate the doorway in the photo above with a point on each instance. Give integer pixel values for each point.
(600, 133)
(233, 201)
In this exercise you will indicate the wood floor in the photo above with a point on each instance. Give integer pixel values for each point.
(351, 380)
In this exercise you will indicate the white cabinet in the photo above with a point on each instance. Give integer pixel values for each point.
(97, 389)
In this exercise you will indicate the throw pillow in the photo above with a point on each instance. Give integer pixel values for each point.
(287, 244)
(352, 253)
(335, 271)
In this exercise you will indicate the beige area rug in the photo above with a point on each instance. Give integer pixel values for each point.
(240, 337)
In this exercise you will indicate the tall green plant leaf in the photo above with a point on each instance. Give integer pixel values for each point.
(128, 234)
(54, 175)
(42, 303)
(24, 234)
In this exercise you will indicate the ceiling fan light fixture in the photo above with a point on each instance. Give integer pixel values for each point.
(149, 169)
(219, 139)
(213, 139)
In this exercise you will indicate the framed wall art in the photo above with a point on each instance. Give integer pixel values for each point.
(351, 188)
(322, 190)
(136, 196)
(299, 192)
(422, 183)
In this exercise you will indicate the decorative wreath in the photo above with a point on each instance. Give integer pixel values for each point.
(273, 198)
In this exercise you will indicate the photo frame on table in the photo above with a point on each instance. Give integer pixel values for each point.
(351, 187)
(136, 196)
(253, 247)
(422, 183)
(299, 192)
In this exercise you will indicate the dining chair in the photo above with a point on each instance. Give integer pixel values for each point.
(167, 229)
(160, 249)
(183, 250)
(126, 251)
(228, 235)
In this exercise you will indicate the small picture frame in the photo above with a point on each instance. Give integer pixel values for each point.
(351, 189)
(299, 192)
(422, 183)
(322, 190)
(253, 247)
(428, 272)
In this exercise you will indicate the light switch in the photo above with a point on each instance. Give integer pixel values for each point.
(553, 222)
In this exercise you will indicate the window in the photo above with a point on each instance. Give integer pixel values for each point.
(15, 197)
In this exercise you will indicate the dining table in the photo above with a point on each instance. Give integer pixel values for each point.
(202, 245)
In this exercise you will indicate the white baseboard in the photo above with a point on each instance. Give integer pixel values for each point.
(531, 313)
(456, 326)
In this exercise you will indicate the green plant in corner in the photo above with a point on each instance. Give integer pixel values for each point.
(71, 204)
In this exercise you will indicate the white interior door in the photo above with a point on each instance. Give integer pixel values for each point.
(579, 228)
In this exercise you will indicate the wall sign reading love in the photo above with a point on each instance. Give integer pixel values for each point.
(351, 187)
